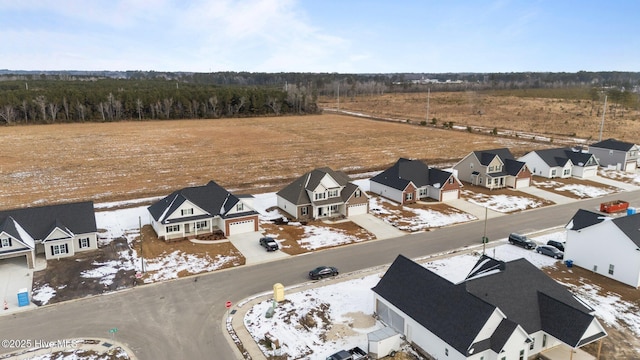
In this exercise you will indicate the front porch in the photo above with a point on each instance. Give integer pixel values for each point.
(564, 352)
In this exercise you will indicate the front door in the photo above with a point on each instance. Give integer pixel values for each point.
(187, 228)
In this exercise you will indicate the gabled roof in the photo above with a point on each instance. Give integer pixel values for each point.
(11, 227)
(630, 226)
(513, 167)
(613, 144)
(406, 171)
(560, 156)
(585, 218)
(297, 191)
(211, 198)
(516, 292)
(447, 310)
(486, 156)
(37, 222)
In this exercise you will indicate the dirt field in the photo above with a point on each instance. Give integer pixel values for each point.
(129, 160)
(553, 117)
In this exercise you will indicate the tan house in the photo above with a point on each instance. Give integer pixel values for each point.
(56, 231)
(323, 193)
(493, 169)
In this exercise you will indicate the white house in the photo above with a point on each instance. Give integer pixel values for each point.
(57, 231)
(201, 210)
(500, 311)
(607, 246)
(561, 163)
(323, 193)
(410, 180)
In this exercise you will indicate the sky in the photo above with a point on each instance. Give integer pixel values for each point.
(333, 36)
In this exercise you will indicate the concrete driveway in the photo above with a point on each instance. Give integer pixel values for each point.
(611, 182)
(476, 210)
(248, 244)
(547, 195)
(14, 276)
(376, 226)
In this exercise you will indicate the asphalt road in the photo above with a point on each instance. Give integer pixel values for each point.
(181, 319)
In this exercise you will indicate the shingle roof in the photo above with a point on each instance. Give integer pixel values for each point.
(513, 167)
(297, 191)
(406, 171)
(38, 222)
(211, 198)
(613, 144)
(585, 218)
(486, 156)
(560, 156)
(630, 226)
(447, 310)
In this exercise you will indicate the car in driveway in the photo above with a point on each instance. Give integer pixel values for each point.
(322, 272)
(550, 251)
(557, 244)
(269, 243)
(521, 240)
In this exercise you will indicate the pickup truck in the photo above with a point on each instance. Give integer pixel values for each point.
(614, 206)
(353, 354)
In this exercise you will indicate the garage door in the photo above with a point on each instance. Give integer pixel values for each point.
(522, 183)
(631, 167)
(449, 195)
(359, 209)
(239, 227)
(589, 173)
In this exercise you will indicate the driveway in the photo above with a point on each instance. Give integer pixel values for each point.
(476, 210)
(611, 182)
(376, 226)
(15, 276)
(547, 195)
(248, 244)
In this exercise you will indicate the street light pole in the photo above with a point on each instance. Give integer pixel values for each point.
(141, 255)
(484, 236)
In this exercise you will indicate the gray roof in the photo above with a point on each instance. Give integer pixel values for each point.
(585, 218)
(417, 172)
(560, 156)
(511, 165)
(630, 226)
(297, 191)
(613, 144)
(38, 222)
(456, 313)
(211, 198)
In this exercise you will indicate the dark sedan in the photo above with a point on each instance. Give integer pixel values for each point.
(550, 251)
(322, 271)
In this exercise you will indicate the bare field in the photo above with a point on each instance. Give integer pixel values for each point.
(45, 164)
(553, 117)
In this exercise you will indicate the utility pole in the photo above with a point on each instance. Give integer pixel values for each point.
(338, 95)
(485, 240)
(141, 255)
(603, 112)
(428, 96)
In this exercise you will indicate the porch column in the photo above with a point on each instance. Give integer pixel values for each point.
(599, 348)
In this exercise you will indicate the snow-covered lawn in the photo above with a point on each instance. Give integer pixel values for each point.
(579, 190)
(501, 202)
(633, 178)
(414, 219)
(328, 304)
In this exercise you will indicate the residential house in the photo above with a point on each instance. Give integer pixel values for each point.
(614, 153)
(199, 210)
(493, 169)
(561, 163)
(323, 193)
(605, 245)
(56, 231)
(410, 180)
(502, 310)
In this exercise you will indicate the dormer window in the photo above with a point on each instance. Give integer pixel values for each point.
(6, 242)
(358, 193)
(184, 212)
(333, 192)
(240, 206)
(320, 196)
(490, 168)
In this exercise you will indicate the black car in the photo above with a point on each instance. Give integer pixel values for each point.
(557, 244)
(269, 244)
(550, 251)
(521, 240)
(322, 271)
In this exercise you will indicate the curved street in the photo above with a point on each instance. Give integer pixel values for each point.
(182, 318)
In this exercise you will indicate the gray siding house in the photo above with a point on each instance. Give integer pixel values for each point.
(614, 153)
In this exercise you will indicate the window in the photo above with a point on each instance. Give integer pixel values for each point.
(533, 344)
(450, 180)
(503, 358)
(333, 192)
(202, 225)
(595, 268)
(446, 352)
(490, 169)
(172, 228)
(59, 249)
(611, 269)
(240, 206)
(553, 172)
(521, 357)
(471, 165)
(186, 212)
(333, 208)
(566, 172)
(422, 192)
(358, 193)
(544, 340)
(320, 196)
(6, 242)
(304, 211)
(408, 196)
(84, 243)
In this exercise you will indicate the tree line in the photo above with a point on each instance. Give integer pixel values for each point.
(80, 100)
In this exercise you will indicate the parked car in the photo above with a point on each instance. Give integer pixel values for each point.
(269, 244)
(550, 251)
(322, 271)
(521, 240)
(557, 244)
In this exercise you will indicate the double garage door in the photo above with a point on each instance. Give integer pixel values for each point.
(242, 226)
(449, 195)
(357, 209)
